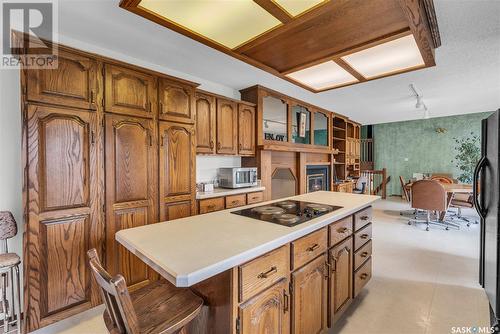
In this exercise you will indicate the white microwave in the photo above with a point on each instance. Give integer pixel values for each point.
(237, 177)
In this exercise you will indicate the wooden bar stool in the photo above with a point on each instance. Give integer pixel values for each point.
(158, 307)
(9, 264)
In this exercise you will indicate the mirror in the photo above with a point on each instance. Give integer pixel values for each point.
(320, 129)
(301, 125)
(274, 119)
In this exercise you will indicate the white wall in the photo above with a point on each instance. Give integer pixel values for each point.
(206, 166)
(10, 151)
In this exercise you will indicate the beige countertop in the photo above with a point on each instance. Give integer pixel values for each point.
(219, 192)
(189, 250)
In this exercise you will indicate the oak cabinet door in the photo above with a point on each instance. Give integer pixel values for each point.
(72, 84)
(177, 169)
(246, 130)
(267, 312)
(205, 123)
(176, 101)
(227, 127)
(341, 264)
(309, 302)
(63, 214)
(129, 92)
(131, 183)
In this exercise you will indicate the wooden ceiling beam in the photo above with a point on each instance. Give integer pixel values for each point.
(275, 10)
(417, 21)
(349, 69)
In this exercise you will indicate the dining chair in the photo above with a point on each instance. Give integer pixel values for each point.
(459, 202)
(430, 196)
(404, 189)
(158, 308)
(360, 185)
(442, 178)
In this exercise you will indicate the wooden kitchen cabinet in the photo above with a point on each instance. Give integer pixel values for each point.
(341, 266)
(177, 161)
(268, 312)
(205, 123)
(64, 220)
(129, 92)
(131, 190)
(246, 130)
(211, 205)
(72, 84)
(309, 298)
(227, 127)
(176, 101)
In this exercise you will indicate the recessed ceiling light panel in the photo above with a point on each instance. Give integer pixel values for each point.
(390, 57)
(323, 76)
(297, 7)
(230, 23)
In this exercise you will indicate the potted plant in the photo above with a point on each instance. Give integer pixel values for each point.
(468, 154)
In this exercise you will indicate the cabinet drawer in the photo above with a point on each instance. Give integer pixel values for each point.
(362, 218)
(362, 236)
(255, 197)
(309, 247)
(211, 205)
(362, 254)
(262, 272)
(362, 276)
(340, 230)
(235, 200)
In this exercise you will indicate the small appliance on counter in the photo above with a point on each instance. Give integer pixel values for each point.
(237, 177)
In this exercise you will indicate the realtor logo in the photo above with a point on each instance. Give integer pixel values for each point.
(26, 26)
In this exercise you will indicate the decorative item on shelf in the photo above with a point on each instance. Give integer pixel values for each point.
(302, 125)
(272, 136)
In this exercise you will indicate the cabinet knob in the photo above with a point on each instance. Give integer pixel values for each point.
(364, 218)
(343, 230)
(363, 276)
(364, 236)
(364, 254)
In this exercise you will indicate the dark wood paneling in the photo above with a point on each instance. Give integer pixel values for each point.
(176, 101)
(205, 123)
(131, 190)
(63, 220)
(130, 92)
(227, 127)
(72, 84)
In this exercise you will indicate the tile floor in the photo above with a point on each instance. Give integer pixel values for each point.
(423, 282)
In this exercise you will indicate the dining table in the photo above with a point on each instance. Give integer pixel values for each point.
(451, 190)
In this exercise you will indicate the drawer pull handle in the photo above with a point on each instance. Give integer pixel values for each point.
(364, 218)
(364, 254)
(363, 276)
(313, 248)
(343, 230)
(234, 202)
(268, 273)
(364, 236)
(211, 207)
(212, 144)
(328, 267)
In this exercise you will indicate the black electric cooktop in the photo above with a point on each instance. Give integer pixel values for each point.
(287, 213)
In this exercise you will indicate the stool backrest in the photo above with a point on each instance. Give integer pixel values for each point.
(8, 225)
(428, 195)
(116, 297)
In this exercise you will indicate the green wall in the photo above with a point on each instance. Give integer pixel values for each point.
(426, 150)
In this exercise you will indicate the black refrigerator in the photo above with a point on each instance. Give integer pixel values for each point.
(486, 200)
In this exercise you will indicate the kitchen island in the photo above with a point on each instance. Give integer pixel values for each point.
(247, 269)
